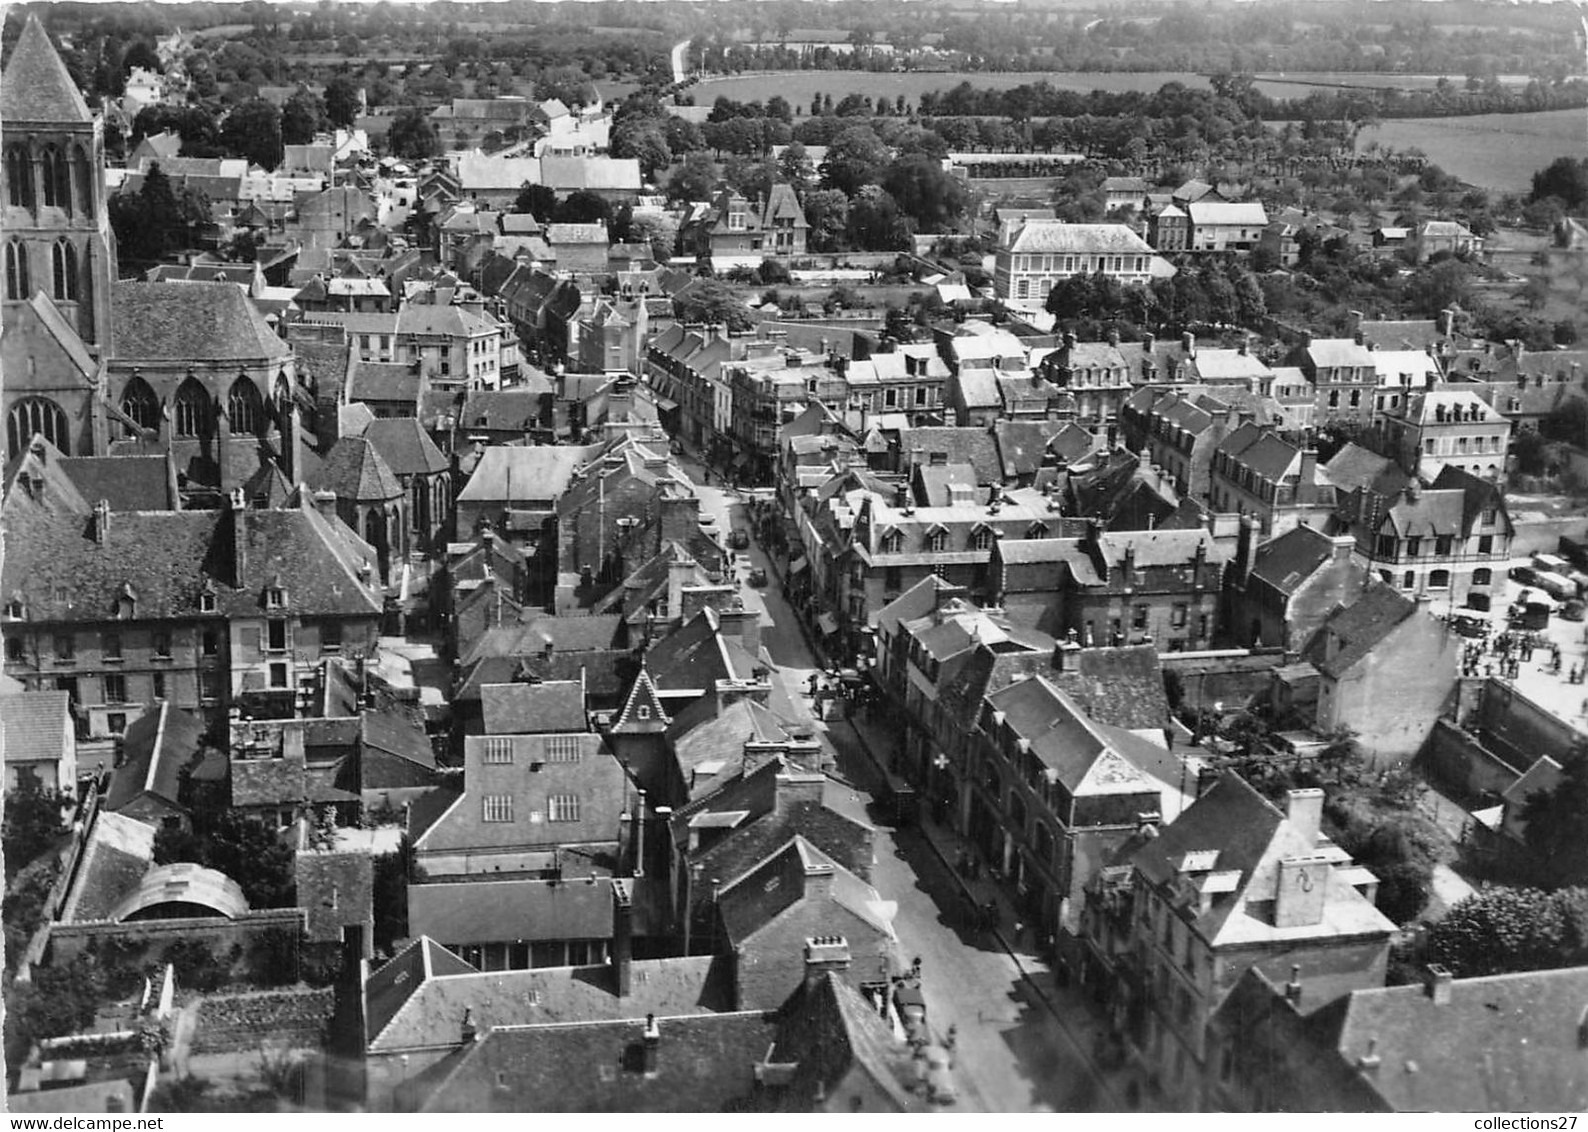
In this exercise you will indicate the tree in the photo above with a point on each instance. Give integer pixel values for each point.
(302, 117)
(1557, 820)
(584, 207)
(929, 196)
(157, 220)
(645, 141)
(658, 229)
(875, 221)
(539, 201)
(246, 850)
(140, 54)
(694, 179)
(711, 301)
(35, 819)
(854, 158)
(827, 212)
(1500, 930)
(341, 101)
(794, 165)
(412, 135)
(1566, 180)
(253, 130)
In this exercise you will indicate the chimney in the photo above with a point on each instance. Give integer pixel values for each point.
(622, 936)
(1343, 546)
(680, 516)
(1306, 338)
(1307, 479)
(1436, 982)
(1447, 323)
(680, 573)
(1147, 341)
(818, 881)
(1359, 338)
(239, 521)
(1304, 812)
(1113, 336)
(101, 521)
(825, 953)
(653, 1044)
(1303, 888)
(1188, 344)
(468, 1033)
(1069, 343)
(1293, 988)
(1066, 654)
(1245, 550)
(325, 503)
(1246, 345)
(1369, 1061)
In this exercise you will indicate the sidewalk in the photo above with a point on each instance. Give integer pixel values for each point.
(1075, 1013)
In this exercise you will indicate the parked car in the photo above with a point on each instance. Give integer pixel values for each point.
(1524, 574)
(1574, 610)
(758, 577)
(1470, 626)
(739, 538)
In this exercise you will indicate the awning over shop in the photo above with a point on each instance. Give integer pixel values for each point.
(828, 624)
(797, 565)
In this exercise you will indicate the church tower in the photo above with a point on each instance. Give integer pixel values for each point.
(58, 252)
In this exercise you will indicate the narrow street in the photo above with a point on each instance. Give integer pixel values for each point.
(1013, 1054)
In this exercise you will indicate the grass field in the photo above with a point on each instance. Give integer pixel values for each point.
(1497, 151)
(799, 86)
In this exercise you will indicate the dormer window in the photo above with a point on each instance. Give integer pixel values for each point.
(206, 602)
(275, 597)
(126, 603)
(16, 610)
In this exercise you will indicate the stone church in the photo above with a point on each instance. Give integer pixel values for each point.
(103, 367)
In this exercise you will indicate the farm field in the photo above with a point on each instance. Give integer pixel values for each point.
(1496, 151)
(799, 86)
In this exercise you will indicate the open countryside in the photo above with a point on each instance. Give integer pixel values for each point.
(799, 86)
(1496, 151)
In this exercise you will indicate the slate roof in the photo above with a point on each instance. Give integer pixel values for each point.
(190, 321)
(354, 470)
(1116, 686)
(335, 890)
(752, 904)
(1354, 467)
(1358, 628)
(1247, 837)
(405, 447)
(705, 1063)
(1157, 548)
(127, 483)
(524, 709)
(829, 1031)
(418, 998)
(844, 839)
(36, 725)
(541, 471)
(973, 446)
(1291, 558)
(709, 745)
(116, 854)
(385, 381)
(168, 560)
(1048, 236)
(36, 86)
(1264, 451)
(157, 747)
(1249, 213)
(493, 909)
(1336, 352)
(1503, 1043)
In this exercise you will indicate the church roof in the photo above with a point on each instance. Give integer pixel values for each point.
(36, 86)
(198, 321)
(354, 469)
